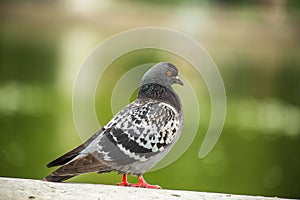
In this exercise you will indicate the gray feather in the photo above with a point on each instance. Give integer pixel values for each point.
(136, 138)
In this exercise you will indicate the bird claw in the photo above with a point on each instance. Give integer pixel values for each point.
(123, 184)
(124, 181)
(141, 184)
(145, 185)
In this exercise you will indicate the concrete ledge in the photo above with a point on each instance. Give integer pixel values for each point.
(18, 189)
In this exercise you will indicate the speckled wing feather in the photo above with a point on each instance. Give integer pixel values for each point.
(141, 130)
(136, 134)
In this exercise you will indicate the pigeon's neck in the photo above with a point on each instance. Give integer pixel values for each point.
(159, 92)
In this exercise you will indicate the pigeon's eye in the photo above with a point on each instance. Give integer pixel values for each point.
(169, 73)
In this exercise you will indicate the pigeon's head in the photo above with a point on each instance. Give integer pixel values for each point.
(163, 73)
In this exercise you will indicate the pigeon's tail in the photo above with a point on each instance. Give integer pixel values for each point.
(81, 165)
(69, 168)
(53, 178)
(67, 157)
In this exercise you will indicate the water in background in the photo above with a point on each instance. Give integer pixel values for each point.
(255, 46)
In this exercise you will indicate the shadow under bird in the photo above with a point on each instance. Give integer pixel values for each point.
(136, 138)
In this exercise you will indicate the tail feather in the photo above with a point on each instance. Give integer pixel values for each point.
(63, 159)
(81, 165)
(60, 161)
(73, 153)
(73, 164)
(53, 178)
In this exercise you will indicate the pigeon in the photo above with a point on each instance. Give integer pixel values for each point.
(136, 138)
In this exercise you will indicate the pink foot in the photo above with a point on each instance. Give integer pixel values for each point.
(142, 183)
(124, 181)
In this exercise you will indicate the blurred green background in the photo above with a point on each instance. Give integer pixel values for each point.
(255, 44)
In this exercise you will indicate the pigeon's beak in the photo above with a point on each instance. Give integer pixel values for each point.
(178, 81)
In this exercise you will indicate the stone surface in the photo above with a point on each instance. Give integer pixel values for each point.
(18, 189)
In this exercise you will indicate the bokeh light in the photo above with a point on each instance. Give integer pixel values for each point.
(255, 45)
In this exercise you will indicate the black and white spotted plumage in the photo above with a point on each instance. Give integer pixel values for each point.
(137, 137)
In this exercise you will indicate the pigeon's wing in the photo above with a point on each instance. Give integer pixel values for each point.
(138, 132)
